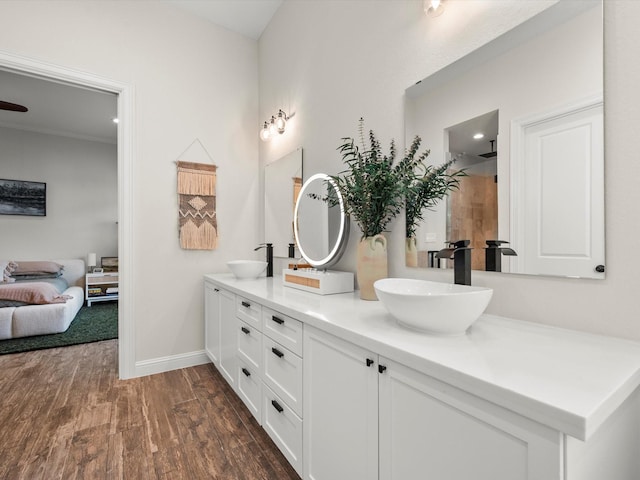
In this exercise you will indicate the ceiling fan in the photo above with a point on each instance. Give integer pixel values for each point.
(12, 107)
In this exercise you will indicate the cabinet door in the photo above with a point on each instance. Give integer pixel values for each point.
(340, 409)
(212, 323)
(429, 429)
(228, 338)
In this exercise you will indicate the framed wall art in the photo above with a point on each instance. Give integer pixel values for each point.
(18, 197)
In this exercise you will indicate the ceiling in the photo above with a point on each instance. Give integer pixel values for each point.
(60, 109)
(247, 17)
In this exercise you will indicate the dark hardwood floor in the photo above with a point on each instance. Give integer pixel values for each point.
(65, 415)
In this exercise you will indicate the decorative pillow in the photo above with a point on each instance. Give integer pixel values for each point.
(37, 267)
(33, 293)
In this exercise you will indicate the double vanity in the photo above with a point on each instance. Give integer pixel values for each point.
(346, 392)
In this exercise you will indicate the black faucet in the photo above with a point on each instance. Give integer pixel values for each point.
(493, 255)
(269, 247)
(461, 254)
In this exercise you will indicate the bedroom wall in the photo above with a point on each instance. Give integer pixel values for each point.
(375, 50)
(82, 204)
(194, 84)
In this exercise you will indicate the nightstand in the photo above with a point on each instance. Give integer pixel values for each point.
(101, 287)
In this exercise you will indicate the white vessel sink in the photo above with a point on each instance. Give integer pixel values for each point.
(247, 268)
(442, 308)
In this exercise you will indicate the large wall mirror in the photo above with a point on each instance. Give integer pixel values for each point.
(282, 184)
(524, 116)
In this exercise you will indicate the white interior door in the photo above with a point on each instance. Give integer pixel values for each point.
(558, 219)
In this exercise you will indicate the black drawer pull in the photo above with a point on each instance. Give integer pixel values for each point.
(245, 330)
(216, 290)
(246, 304)
(369, 362)
(381, 368)
(277, 406)
(278, 320)
(246, 372)
(277, 352)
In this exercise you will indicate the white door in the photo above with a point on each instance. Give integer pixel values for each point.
(430, 430)
(340, 396)
(228, 338)
(558, 168)
(212, 323)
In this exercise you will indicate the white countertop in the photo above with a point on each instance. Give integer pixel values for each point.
(568, 380)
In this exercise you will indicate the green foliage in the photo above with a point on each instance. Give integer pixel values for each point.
(429, 185)
(375, 190)
(371, 186)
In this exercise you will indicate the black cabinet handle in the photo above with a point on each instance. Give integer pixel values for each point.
(216, 290)
(369, 362)
(245, 330)
(277, 352)
(600, 269)
(246, 304)
(277, 406)
(381, 368)
(246, 372)
(278, 320)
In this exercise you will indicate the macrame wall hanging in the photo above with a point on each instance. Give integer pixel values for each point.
(197, 206)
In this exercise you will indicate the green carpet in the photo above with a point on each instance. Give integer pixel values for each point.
(92, 324)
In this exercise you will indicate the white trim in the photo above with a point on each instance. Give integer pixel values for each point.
(125, 92)
(172, 362)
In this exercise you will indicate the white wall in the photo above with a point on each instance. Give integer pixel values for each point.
(82, 204)
(332, 62)
(192, 80)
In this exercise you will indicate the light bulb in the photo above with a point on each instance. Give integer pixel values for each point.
(273, 130)
(433, 8)
(281, 121)
(264, 133)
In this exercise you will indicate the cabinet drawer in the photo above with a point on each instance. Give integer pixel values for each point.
(285, 330)
(283, 426)
(283, 373)
(250, 388)
(249, 311)
(250, 344)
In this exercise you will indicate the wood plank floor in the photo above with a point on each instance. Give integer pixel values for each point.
(65, 415)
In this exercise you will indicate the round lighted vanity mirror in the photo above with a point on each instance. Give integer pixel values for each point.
(321, 227)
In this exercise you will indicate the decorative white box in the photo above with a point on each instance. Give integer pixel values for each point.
(322, 282)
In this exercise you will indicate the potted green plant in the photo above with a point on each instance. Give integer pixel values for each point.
(423, 190)
(373, 188)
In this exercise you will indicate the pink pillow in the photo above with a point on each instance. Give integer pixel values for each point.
(33, 293)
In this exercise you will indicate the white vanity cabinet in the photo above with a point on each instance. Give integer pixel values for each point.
(364, 412)
(340, 409)
(347, 393)
(220, 331)
(429, 429)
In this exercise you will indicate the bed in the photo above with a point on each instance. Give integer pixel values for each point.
(28, 320)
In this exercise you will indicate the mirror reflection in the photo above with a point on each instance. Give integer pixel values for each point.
(321, 227)
(282, 184)
(523, 116)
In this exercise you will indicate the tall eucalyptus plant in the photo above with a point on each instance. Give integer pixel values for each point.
(375, 189)
(426, 187)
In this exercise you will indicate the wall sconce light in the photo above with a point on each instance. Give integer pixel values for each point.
(275, 126)
(433, 8)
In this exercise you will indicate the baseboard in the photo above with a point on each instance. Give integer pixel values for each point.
(173, 362)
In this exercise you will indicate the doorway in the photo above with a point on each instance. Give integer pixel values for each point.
(124, 92)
